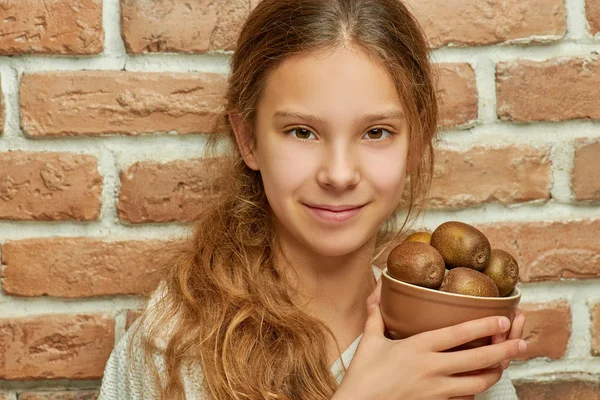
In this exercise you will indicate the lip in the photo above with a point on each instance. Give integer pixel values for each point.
(329, 213)
(335, 208)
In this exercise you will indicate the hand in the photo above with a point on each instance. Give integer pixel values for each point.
(419, 367)
(516, 332)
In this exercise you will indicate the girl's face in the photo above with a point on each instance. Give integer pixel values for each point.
(330, 132)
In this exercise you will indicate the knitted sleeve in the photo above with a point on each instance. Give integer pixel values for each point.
(502, 390)
(125, 378)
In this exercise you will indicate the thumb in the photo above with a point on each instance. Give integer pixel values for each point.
(374, 323)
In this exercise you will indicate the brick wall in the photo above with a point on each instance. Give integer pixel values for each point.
(102, 110)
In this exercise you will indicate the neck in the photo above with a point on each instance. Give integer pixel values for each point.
(333, 289)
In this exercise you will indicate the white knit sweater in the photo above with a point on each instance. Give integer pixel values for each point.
(127, 379)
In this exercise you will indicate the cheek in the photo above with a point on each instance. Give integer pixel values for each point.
(284, 171)
(386, 172)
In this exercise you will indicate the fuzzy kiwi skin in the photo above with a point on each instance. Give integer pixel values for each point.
(417, 263)
(469, 282)
(504, 271)
(424, 237)
(461, 245)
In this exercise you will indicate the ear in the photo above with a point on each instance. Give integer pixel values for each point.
(244, 139)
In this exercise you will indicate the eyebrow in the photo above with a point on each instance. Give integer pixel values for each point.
(388, 114)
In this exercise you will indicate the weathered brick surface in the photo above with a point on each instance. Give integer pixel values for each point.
(457, 94)
(60, 395)
(49, 186)
(547, 329)
(559, 387)
(78, 267)
(189, 27)
(585, 183)
(157, 192)
(481, 175)
(595, 328)
(592, 10)
(51, 27)
(550, 250)
(475, 22)
(130, 103)
(554, 90)
(55, 346)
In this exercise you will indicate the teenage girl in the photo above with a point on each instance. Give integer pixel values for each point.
(325, 140)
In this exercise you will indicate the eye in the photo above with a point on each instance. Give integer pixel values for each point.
(378, 133)
(301, 133)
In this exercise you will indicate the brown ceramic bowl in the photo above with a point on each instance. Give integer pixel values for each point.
(409, 309)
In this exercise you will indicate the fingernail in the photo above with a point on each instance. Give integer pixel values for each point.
(504, 323)
(522, 346)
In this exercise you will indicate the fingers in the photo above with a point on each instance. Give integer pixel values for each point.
(453, 336)
(482, 357)
(374, 324)
(516, 331)
(472, 384)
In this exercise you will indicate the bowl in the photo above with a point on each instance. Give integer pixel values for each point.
(408, 309)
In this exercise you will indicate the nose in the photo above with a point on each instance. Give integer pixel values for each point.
(339, 168)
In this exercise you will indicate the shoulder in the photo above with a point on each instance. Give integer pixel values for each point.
(126, 375)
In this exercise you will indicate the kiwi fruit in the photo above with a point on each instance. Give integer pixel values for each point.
(468, 281)
(417, 263)
(424, 237)
(461, 245)
(504, 271)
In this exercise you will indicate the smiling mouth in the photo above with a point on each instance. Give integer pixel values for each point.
(335, 208)
(337, 215)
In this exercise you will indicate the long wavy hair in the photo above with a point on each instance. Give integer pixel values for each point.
(225, 303)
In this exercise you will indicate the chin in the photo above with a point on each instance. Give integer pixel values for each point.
(334, 248)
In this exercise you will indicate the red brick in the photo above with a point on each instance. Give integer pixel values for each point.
(156, 192)
(554, 90)
(592, 10)
(60, 395)
(548, 251)
(130, 318)
(482, 175)
(595, 330)
(547, 329)
(189, 27)
(52, 27)
(585, 182)
(72, 103)
(476, 22)
(55, 346)
(78, 267)
(559, 387)
(49, 186)
(457, 94)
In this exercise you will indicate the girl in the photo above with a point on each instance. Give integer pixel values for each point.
(331, 110)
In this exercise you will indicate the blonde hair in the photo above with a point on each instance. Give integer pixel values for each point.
(226, 303)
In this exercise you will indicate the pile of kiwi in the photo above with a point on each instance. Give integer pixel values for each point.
(455, 258)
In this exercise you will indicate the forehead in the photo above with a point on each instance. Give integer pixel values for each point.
(330, 83)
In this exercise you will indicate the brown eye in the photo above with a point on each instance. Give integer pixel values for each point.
(301, 133)
(377, 133)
